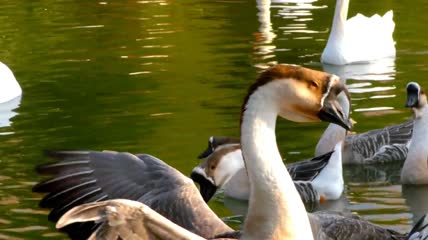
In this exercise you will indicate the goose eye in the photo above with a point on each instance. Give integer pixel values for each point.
(212, 167)
(313, 84)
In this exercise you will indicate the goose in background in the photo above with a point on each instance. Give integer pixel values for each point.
(316, 179)
(374, 146)
(359, 39)
(415, 168)
(9, 87)
(145, 182)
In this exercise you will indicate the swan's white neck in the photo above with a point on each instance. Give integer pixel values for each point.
(275, 208)
(339, 20)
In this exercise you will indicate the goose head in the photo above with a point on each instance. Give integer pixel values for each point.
(218, 168)
(214, 142)
(416, 98)
(300, 94)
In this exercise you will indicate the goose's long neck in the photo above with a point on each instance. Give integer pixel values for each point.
(275, 208)
(340, 16)
(415, 168)
(334, 133)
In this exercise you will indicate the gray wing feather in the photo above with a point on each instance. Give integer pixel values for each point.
(308, 170)
(111, 175)
(346, 226)
(366, 145)
(308, 194)
(389, 153)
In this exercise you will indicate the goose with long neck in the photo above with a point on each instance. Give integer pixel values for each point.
(283, 215)
(415, 168)
(119, 190)
(378, 145)
(359, 39)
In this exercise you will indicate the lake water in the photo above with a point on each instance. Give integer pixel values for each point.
(161, 76)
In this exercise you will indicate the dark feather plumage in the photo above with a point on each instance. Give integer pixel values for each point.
(89, 176)
(309, 169)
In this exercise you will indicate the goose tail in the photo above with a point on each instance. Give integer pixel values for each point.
(420, 230)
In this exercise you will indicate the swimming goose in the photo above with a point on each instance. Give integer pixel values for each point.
(374, 146)
(359, 39)
(415, 168)
(9, 87)
(275, 210)
(316, 179)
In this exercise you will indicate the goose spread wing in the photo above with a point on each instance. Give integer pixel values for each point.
(307, 170)
(89, 176)
(125, 219)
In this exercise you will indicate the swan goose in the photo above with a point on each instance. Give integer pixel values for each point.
(359, 39)
(90, 183)
(316, 179)
(415, 168)
(375, 146)
(9, 87)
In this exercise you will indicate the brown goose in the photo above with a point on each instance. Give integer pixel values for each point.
(275, 210)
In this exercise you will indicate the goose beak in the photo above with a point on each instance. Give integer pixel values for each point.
(331, 111)
(206, 187)
(412, 99)
(413, 92)
(206, 153)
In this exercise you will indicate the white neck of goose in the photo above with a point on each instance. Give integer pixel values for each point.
(275, 208)
(339, 20)
(415, 168)
(334, 133)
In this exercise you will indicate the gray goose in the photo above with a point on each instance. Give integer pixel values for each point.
(275, 210)
(374, 146)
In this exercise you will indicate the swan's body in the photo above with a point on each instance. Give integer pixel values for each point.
(275, 210)
(359, 39)
(316, 179)
(415, 168)
(9, 87)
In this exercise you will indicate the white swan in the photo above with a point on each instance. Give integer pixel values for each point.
(275, 210)
(9, 87)
(359, 39)
(415, 168)
(316, 179)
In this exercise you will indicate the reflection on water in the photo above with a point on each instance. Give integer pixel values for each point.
(381, 70)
